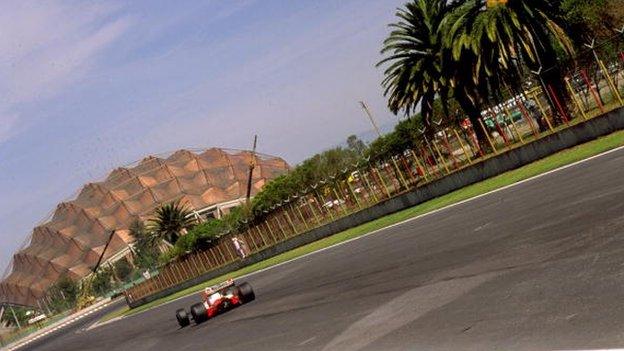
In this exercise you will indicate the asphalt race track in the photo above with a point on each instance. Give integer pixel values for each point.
(539, 266)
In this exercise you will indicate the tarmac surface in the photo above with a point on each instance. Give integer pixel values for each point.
(538, 266)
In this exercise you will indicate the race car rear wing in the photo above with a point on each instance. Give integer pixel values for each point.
(222, 285)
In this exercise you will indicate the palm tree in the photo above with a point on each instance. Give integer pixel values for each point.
(497, 40)
(147, 246)
(141, 234)
(416, 57)
(170, 221)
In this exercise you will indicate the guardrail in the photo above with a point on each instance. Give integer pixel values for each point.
(592, 90)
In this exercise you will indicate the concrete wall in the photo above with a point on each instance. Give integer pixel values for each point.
(493, 166)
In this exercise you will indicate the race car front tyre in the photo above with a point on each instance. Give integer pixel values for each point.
(199, 313)
(246, 293)
(183, 318)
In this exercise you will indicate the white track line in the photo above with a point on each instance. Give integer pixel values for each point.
(407, 221)
(439, 210)
(411, 219)
(52, 330)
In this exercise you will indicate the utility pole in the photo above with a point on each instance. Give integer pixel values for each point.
(252, 165)
(110, 238)
(86, 284)
(370, 116)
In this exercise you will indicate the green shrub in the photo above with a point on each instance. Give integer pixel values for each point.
(123, 269)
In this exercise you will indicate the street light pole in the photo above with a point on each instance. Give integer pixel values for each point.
(370, 117)
(252, 165)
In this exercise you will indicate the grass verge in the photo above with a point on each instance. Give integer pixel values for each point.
(551, 162)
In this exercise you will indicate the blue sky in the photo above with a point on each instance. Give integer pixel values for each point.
(88, 86)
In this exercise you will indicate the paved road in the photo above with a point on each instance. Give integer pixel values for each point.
(539, 266)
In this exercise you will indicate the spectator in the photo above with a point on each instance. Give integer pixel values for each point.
(239, 246)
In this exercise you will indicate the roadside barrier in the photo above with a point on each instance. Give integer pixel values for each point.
(538, 113)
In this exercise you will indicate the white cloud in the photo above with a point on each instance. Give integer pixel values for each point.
(47, 46)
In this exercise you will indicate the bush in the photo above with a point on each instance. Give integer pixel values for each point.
(123, 269)
(203, 236)
(145, 247)
(102, 282)
(69, 288)
(319, 167)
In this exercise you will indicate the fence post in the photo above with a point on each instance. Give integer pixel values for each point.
(401, 177)
(185, 269)
(289, 219)
(575, 98)
(202, 262)
(338, 200)
(371, 190)
(279, 224)
(248, 237)
(357, 201)
(228, 248)
(380, 179)
(435, 146)
(266, 223)
(264, 242)
(509, 115)
(461, 144)
(542, 110)
(312, 209)
(218, 247)
(614, 90)
(487, 136)
(450, 150)
(420, 166)
(408, 169)
(339, 193)
(303, 220)
(433, 172)
(328, 210)
(590, 86)
(530, 120)
(214, 256)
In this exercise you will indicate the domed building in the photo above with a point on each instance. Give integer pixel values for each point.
(209, 181)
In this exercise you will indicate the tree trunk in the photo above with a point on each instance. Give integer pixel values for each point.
(474, 115)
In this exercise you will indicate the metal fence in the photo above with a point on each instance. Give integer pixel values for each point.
(594, 85)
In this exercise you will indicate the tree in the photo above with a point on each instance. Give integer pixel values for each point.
(201, 237)
(102, 281)
(146, 246)
(496, 40)
(170, 221)
(416, 71)
(123, 269)
(23, 314)
(356, 145)
(321, 166)
(64, 293)
(405, 135)
(591, 18)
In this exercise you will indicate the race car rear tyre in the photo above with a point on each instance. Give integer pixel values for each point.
(246, 292)
(183, 318)
(199, 313)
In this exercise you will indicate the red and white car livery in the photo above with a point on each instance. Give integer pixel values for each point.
(215, 300)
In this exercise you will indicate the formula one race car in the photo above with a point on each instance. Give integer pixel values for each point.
(217, 299)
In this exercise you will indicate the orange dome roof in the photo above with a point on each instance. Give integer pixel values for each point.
(72, 240)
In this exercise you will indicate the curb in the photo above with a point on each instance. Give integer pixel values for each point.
(58, 325)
